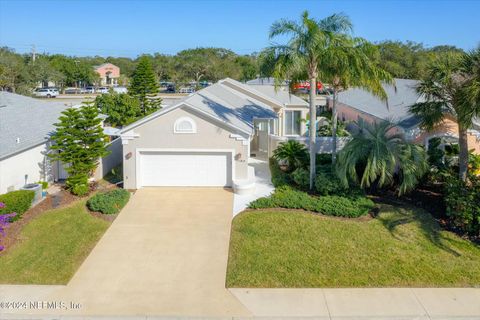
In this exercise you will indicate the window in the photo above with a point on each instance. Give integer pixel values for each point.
(185, 125)
(292, 123)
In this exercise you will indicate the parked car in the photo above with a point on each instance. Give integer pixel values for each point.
(71, 91)
(187, 90)
(45, 93)
(103, 89)
(170, 88)
(90, 89)
(120, 89)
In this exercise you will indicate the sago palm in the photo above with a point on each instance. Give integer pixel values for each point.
(347, 63)
(376, 156)
(300, 57)
(452, 89)
(293, 153)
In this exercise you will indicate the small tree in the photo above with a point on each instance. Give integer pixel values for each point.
(120, 108)
(144, 86)
(80, 143)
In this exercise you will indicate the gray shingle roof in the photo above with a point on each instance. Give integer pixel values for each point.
(230, 105)
(30, 120)
(399, 101)
(281, 94)
(232, 102)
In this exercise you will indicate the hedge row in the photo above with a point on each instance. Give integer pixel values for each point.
(287, 197)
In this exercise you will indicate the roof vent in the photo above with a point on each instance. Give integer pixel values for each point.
(17, 140)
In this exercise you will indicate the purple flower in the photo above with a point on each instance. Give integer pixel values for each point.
(2, 205)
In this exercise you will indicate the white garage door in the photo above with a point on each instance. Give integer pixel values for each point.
(185, 169)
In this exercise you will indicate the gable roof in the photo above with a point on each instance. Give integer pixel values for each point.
(27, 119)
(224, 103)
(399, 100)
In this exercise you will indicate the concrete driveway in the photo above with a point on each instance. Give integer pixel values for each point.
(165, 254)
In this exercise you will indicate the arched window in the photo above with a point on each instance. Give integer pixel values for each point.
(185, 125)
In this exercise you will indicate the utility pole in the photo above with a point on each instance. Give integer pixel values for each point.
(33, 53)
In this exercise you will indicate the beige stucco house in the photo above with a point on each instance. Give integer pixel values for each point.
(207, 138)
(359, 105)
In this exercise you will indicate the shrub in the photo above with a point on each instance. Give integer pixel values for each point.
(293, 153)
(327, 183)
(301, 177)
(324, 159)
(279, 177)
(16, 201)
(110, 202)
(80, 189)
(287, 197)
(463, 203)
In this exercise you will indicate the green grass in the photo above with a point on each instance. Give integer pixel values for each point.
(401, 247)
(52, 247)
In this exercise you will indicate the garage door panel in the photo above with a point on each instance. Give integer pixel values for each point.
(185, 169)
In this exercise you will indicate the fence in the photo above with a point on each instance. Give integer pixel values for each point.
(322, 144)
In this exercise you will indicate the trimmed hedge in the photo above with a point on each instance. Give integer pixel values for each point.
(110, 202)
(16, 201)
(289, 198)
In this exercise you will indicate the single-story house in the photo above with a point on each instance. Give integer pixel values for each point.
(207, 138)
(359, 105)
(26, 125)
(109, 74)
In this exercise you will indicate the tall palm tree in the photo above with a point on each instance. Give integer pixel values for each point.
(347, 63)
(375, 156)
(300, 58)
(452, 88)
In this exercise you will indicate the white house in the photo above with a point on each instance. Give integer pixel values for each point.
(26, 125)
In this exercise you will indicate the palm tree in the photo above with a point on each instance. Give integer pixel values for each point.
(300, 58)
(293, 153)
(348, 63)
(452, 88)
(376, 157)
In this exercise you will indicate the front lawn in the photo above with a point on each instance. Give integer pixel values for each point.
(52, 246)
(402, 247)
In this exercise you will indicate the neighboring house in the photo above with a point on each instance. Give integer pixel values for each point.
(359, 105)
(207, 138)
(26, 125)
(109, 74)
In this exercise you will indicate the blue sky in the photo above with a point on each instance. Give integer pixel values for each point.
(129, 28)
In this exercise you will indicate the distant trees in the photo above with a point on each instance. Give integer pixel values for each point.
(144, 86)
(409, 60)
(19, 73)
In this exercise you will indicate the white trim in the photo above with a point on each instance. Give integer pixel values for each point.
(185, 119)
(138, 152)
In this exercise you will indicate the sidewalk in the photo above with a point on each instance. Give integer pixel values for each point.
(382, 303)
(331, 304)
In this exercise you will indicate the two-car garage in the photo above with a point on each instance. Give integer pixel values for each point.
(200, 168)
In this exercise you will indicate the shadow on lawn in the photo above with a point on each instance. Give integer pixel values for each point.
(404, 214)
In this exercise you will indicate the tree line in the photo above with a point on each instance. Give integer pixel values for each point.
(20, 73)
